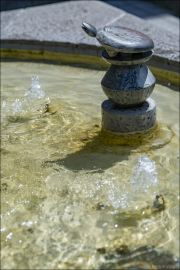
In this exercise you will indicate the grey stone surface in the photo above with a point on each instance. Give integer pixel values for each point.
(7, 17)
(128, 120)
(60, 22)
(159, 16)
(165, 21)
(165, 43)
(57, 27)
(128, 85)
(141, 257)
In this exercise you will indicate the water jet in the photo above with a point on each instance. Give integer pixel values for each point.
(63, 174)
(66, 183)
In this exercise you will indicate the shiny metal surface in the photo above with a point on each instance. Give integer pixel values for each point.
(127, 59)
(123, 39)
(120, 39)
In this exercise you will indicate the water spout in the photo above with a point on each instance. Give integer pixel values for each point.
(145, 175)
(35, 91)
(32, 102)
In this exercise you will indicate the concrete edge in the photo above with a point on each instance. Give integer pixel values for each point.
(66, 57)
(84, 49)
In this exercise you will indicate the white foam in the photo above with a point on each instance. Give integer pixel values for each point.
(32, 102)
(145, 175)
(143, 187)
(35, 91)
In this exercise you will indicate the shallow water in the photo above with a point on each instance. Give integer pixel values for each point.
(70, 190)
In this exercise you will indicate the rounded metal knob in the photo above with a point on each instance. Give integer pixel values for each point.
(120, 39)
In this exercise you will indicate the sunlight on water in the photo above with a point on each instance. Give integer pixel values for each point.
(75, 196)
(145, 175)
(35, 91)
(30, 103)
(143, 183)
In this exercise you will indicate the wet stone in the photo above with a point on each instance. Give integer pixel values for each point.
(128, 82)
(99, 206)
(4, 186)
(124, 39)
(126, 120)
(101, 250)
(129, 85)
(30, 230)
(159, 203)
(145, 254)
(122, 249)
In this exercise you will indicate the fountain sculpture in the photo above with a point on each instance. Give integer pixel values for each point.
(128, 82)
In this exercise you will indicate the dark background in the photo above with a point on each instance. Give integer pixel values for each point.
(171, 5)
(9, 5)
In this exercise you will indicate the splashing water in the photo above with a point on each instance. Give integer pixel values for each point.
(144, 182)
(116, 195)
(35, 91)
(32, 102)
(145, 175)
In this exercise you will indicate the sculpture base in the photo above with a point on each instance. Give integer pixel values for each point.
(126, 120)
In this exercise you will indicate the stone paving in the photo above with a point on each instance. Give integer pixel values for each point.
(57, 27)
(150, 12)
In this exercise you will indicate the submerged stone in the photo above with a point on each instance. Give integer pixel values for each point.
(145, 257)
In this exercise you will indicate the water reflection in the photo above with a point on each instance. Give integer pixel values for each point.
(62, 216)
(94, 147)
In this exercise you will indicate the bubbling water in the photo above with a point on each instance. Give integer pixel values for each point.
(145, 175)
(34, 97)
(144, 182)
(143, 186)
(35, 91)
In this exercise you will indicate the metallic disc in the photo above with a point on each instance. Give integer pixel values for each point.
(123, 39)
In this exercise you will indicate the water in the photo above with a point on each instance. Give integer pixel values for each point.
(71, 192)
(30, 104)
(145, 175)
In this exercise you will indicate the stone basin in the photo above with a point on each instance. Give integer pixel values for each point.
(75, 196)
(68, 195)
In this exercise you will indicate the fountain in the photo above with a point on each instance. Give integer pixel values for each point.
(128, 82)
(76, 196)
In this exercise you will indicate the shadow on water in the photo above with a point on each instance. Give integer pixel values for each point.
(139, 257)
(95, 154)
(102, 149)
